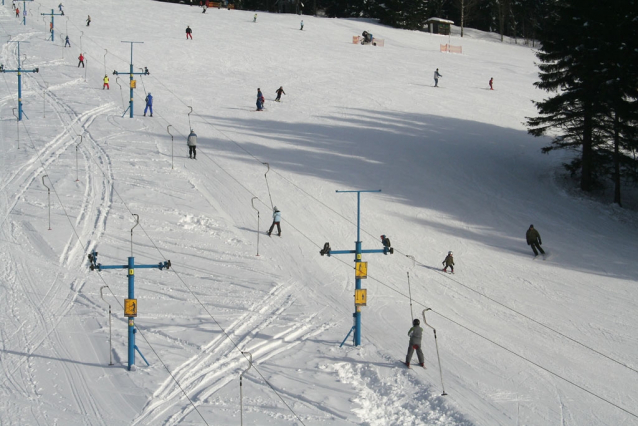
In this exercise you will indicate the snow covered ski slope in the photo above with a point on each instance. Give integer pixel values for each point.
(521, 342)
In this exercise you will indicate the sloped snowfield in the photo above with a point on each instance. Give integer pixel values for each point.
(522, 341)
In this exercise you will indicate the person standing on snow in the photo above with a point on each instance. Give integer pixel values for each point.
(436, 78)
(189, 32)
(449, 261)
(255, 18)
(279, 92)
(260, 100)
(301, 25)
(204, 9)
(81, 58)
(106, 83)
(416, 334)
(149, 104)
(276, 218)
(191, 141)
(60, 7)
(67, 42)
(534, 240)
(88, 21)
(17, 12)
(491, 83)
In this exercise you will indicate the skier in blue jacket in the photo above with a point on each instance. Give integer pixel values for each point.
(149, 104)
(276, 218)
(260, 100)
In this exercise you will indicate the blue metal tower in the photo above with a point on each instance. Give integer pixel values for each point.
(24, 11)
(357, 262)
(130, 304)
(19, 71)
(132, 82)
(52, 14)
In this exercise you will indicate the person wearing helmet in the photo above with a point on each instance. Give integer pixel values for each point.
(534, 240)
(416, 334)
(276, 218)
(449, 261)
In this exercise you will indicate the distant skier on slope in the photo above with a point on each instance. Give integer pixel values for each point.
(276, 218)
(88, 21)
(416, 335)
(67, 42)
(449, 261)
(106, 83)
(191, 141)
(255, 18)
(492, 83)
(81, 59)
(534, 240)
(260, 100)
(189, 32)
(437, 75)
(301, 25)
(279, 92)
(149, 104)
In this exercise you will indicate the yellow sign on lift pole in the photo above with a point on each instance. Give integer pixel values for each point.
(360, 297)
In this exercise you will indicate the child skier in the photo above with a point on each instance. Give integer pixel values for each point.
(436, 78)
(449, 261)
(416, 334)
(276, 218)
(67, 42)
(491, 83)
(149, 104)
(279, 92)
(260, 100)
(189, 32)
(192, 145)
(106, 83)
(81, 58)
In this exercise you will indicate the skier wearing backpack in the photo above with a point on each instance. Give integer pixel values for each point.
(449, 261)
(416, 334)
(149, 104)
(276, 218)
(192, 145)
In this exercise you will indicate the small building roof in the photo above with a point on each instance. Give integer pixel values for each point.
(445, 21)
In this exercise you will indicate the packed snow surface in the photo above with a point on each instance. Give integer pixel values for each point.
(522, 341)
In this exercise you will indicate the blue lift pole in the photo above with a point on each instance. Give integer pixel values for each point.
(131, 73)
(130, 304)
(24, 11)
(19, 71)
(358, 251)
(52, 14)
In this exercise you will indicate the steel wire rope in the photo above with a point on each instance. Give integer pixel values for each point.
(371, 235)
(447, 318)
(85, 246)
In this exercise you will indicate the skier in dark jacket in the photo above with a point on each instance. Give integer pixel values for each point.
(449, 261)
(276, 218)
(534, 240)
(279, 92)
(149, 104)
(88, 21)
(416, 334)
(67, 42)
(260, 100)
(437, 75)
(189, 32)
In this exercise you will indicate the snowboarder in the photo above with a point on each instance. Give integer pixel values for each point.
(534, 240)
(260, 100)
(301, 25)
(491, 83)
(81, 58)
(149, 104)
(189, 32)
(255, 18)
(436, 78)
(192, 145)
(279, 93)
(88, 21)
(67, 42)
(416, 334)
(276, 218)
(449, 261)
(106, 83)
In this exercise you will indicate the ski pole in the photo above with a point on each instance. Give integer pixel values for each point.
(437, 348)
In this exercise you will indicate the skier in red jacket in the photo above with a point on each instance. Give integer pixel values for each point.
(81, 58)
